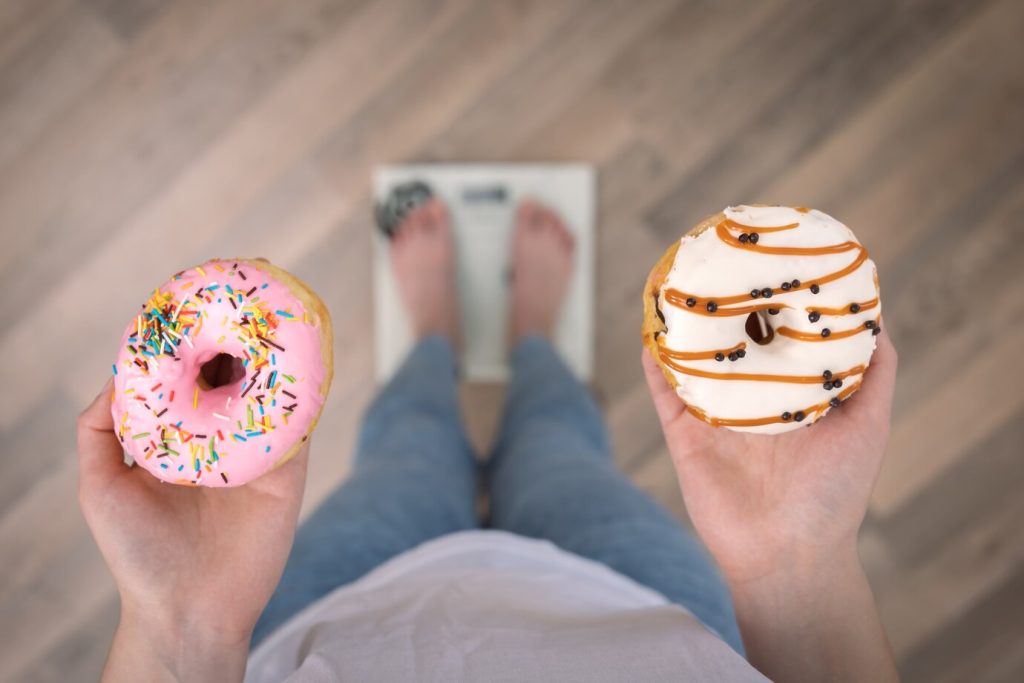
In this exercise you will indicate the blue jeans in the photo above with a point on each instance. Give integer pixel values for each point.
(551, 476)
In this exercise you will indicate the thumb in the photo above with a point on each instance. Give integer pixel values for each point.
(666, 402)
(100, 456)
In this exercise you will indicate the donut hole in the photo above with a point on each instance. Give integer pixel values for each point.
(759, 329)
(221, 370)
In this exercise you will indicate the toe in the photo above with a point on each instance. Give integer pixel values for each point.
(437, 209)
(531, 215)
(418, 221)
(438, 214)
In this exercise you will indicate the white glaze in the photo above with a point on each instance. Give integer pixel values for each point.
(706, 266)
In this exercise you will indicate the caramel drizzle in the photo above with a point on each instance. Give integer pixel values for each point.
(675, 297)
(700, 355)
(864, 306)
(758, 421)
(679, 299)
(816, 337)
(667, 356)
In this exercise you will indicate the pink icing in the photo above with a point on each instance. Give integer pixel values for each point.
(227, 435)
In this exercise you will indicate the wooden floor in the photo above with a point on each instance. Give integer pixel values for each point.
(138, 137)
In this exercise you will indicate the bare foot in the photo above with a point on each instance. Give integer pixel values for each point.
(423, 258)
(542, 262)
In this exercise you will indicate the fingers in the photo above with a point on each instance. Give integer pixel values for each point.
(666, 402)
(100, 456)
(289, 479)
(874, 398)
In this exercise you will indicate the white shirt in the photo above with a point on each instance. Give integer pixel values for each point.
(492, 606)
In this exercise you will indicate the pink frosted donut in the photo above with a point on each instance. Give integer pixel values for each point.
(222, 375)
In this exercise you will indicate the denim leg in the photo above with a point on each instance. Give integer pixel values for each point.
(414, 479)
(552, 476)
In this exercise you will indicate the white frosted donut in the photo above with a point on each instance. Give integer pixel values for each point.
(763, 318)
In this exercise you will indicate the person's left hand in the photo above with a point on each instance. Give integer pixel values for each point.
(189, 562)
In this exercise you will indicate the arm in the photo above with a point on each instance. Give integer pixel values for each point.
(194, 566)
(814, 622)
(780, 515)
(147, 651)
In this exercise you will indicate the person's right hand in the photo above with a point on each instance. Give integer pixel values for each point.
(768, 503)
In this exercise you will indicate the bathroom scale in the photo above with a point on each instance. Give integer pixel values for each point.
(482, 201)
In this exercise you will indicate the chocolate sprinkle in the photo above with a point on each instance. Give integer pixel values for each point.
(795, 283)
(773, 311)
(719, 356)
(876, 331)
(276, 346)
(814, 316)
(733, 356)
(827, 374)
(834, 402)
(836, 383)
(754, 293)
(799, 416)
(754, 237)
(787, 415)
(741, 353)
(766, 292)
(691, 302)
(854, 308)
(712, 307)
(815, 289)
(826, 332)
(744, 238)
(870, 324)
(786, 286)
(827, 385)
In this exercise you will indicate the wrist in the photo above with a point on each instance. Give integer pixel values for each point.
(770, 556)
(798, 573)
(814, 619)
(170, 648)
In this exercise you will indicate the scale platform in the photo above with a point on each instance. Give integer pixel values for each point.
(481, 202)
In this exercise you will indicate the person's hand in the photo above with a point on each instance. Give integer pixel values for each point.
(780, 514)
(194, 566)
(765, 503)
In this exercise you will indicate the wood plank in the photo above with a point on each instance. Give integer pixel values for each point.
(922, 446)
(965, 493)
(129, 17)
(145, 122)
(548, 80)
(84, 650)
(982, 645)
(219, 186)
(403, 120)
(915, 603)
(22, 20)
(50, 72)
(817, 82)
(894, 172)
